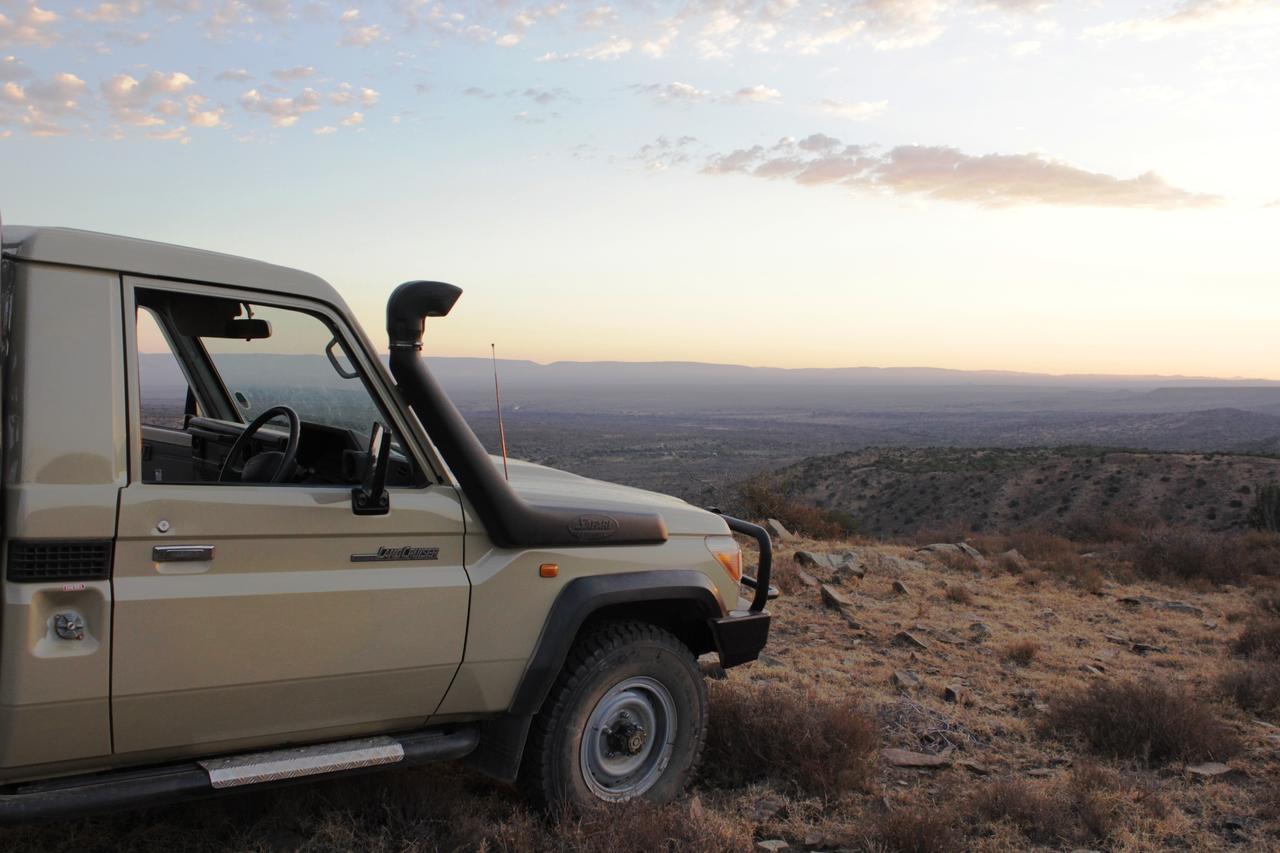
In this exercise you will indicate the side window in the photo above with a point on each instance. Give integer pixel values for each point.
(245, 358)
(162, 388)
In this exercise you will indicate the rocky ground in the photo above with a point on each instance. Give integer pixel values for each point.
(909, 700)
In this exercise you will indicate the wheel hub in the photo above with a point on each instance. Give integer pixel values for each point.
(629, 739)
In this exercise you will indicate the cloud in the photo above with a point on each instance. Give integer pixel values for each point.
(856, 110)
(297, 72)
(758, 94)
(173, 134)
(352, 120)
(110, 13)
(29, 24)
(130, 100)
(665, 153)
(356, 34)
(325, 130)
(614, 48)
(237, 75)
(283, 112)
(1188, 16)
(40, 104)
(347, 94)
(13, 68)
(948, 174)
(542, 97)
(666, 93)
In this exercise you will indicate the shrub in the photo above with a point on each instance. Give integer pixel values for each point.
(959, 594)
(1260, 637)
(1022, 652)
(1076, 570)
(1253, 685)
(917, 827)
(1147, 720)
(762, 497)
(820, 745)
(1081, 807)
(1191, 555)
(1265, 513)
(1028, 807)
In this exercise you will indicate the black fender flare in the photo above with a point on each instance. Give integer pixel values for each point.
(502, 739)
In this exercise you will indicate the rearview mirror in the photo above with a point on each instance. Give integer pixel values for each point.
(371, 498)
(246, 330)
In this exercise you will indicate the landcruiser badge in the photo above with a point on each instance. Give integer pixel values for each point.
(593, 527)
(405, 553)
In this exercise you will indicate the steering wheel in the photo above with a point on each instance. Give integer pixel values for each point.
(283, 461)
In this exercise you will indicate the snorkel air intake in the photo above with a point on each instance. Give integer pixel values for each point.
(508, 519)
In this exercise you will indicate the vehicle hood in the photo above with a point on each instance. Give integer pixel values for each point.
(543, 486)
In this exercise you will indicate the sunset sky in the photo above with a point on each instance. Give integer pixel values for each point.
(1016, 184)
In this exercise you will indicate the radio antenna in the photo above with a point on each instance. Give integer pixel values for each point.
(497, 393)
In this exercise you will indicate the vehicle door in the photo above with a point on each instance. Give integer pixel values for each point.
(253, 613)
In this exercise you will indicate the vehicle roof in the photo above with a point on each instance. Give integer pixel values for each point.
(73, 247)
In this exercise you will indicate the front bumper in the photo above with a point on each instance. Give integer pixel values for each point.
(740, 636)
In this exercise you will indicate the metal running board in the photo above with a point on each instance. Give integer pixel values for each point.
(279, 764)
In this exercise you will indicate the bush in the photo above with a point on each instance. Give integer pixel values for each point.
(819, 745)
(1076, 570)
(917, 827)
(762, 497)
(1082, 807)
(1260, 637)
(959, 594)
(1191, 555)
(1265, 513)
(1147, 720)
(1022, 652)
(1253, 685)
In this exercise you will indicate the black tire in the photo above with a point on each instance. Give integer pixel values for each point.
(604, 659)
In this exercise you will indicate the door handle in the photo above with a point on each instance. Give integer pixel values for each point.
(181, 553)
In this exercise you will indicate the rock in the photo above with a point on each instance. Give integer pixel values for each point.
(1042, 707)
(957, 693)
(940, 547)
(973, 766)
(1210, 770)
(713, 670)
(1130, 601)
(969, 551)
(1181, 607)
(979, 631)
(1090, 669)
(769, 660)
(906, 680)
(901, 588)
(1014, 556)
(807, 579)
(1041, 772)
(834, 598)
(778, 532)
(773, 845)
(917, 760)
(766, 808)
(1112, 638)
(906, 638)
(844, 565)
(1143, 648)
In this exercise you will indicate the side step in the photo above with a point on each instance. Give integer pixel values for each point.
(123, 789)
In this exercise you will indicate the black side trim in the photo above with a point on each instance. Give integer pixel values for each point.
(53, 560)
(154, 786)
(507, 518)
(583, 596)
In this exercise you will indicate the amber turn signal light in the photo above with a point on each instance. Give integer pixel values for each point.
(727, 554)
(548, 570)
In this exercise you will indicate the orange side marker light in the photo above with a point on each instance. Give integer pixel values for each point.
(548, 570)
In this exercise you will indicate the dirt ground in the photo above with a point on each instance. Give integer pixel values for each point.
(957, 661)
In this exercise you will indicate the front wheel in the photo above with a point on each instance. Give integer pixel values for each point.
(626, 718)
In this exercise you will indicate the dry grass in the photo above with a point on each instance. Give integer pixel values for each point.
(815, 744)
(1253, 685)
(1146, 720)
(1188, 555)
(958, 594)
(917, 826)
(1022, 653)
(1082, 807)
(1261, 636)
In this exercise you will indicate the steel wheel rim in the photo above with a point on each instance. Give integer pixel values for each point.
(628, 740)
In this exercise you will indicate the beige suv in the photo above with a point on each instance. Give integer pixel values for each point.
(240, 550)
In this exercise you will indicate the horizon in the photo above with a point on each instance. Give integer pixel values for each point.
(1051, 188)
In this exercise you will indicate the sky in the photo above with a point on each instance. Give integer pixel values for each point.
(1044, 185)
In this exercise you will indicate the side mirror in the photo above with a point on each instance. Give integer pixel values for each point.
(370, 497)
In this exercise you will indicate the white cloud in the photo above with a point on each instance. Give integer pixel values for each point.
(237, 75)
(282, 111)
(1025, 48)
(12, 68)
(130, 99)
(948, 174)
(110, 13)
(672, 92)
(757, 94)
(1181, 16)
(353, 119)
(173, 134)
(29, 24)
(855, 110)
(325, 130)
(614, 48)
(297, 72)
